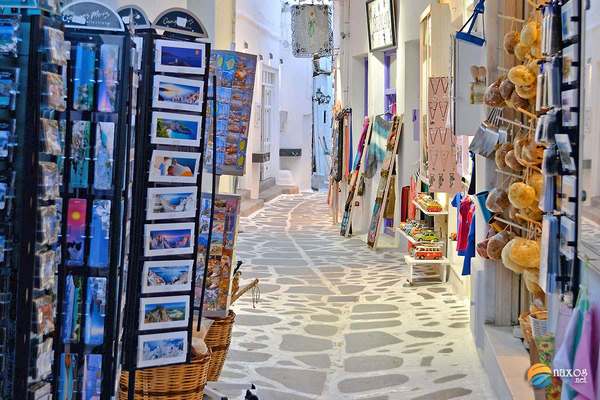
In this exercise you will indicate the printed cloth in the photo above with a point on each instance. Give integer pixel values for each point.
(312, 30)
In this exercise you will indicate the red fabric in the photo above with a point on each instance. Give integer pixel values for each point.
(404, 202)
(465, 216)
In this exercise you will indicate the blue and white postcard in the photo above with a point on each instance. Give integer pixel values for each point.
(164, 312)
(178, 93)
(84, 80)
(105, 149)
(171, 202)
(100, 234)
(92, 377)
(180, 57)
(162, 349)
(95, 311)
(176, 129)
(108, 78)
(167, 276)
(67, 376)
(169, 239)
(71, 329)
(174, 166)
(80, 154)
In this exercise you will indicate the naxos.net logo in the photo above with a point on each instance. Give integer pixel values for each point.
(540, 375)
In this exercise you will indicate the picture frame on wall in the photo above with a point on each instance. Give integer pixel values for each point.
(174, 166)
(381, 24)
(180, 57)
(178, 93)
(171, 202)
(169, 239)
(176, 129)
(167, 276)
(164, 312)
(162, 349)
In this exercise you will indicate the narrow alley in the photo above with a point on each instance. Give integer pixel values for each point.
(336, 321)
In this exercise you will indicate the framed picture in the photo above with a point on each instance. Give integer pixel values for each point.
(167, 276)
(162, 349)
(168, 239)
(174, 166)
(381, 24)
(164, 312)
(178, 93)
(176, 129)
(171, 202)
(180, 57)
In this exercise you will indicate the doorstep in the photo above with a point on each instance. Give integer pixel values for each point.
(505, 362)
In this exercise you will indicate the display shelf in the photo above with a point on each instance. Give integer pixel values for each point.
(412, 240)
(428, 212)
(411, 260)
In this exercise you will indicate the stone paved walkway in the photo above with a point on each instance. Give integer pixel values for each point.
(335, 320)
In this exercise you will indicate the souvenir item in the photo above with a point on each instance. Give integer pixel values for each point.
(568, 230)
(570, 68)
(76, 221)
(171, 202)
(497, 201)
(168, 239)
(521, 195)
(95, 311)
(174, 167)
(167, 276)
(49, 181)
(100, 234)
(104, 150)
(71, 329)
(3, 190)
(8, 87)
(162, 349)
(6, 132)
(51, 137)
(178, 93)
(511, 39)
(493, 96)
(54, 91)
(108, 78)
(49, 226)
(526, 253)
(9, 35)
(220, 258)
(43, 315)
(45, 270)
(180, 57)
(312, 28)
(570, 116)
(84, 79)
(56, 50)
(496, 243)
(80, 154)
(92, 377)
(569, 18)
(164, 312)
(67, 376)
(176, 129)
(507, 260)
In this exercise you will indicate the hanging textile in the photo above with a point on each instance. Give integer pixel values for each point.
(312, 30)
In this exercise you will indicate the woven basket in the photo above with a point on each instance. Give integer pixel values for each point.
(174, 382)
(218, 340)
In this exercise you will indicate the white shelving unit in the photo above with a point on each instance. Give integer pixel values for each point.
(411, 261)
(431, 213)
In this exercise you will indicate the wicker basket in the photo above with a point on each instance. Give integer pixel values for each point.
(218, 339)
(175, 382)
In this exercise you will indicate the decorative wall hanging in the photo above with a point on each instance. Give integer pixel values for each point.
(312, 30)
(381, 24)
(441, 149)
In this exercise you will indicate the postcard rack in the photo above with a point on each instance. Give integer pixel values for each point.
(31, 62)
(95, 201)
(168, 183)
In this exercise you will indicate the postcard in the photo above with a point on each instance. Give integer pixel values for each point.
(105, 148)
(84, 80)
(168, 239)
(100, 234)
(180, 57)
(76, 220)
(80, 154)
(71, 332)
(95, 311)
(178, 93)
(109, 78)
(171, 202)
(162, 349)
(164, 312)
(174, 167)
(9, 36)
(176, 129)
(92, 377)
(167, 276)
(68, 376)
(8, 87)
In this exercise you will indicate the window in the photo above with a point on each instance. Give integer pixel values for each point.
(269, 79)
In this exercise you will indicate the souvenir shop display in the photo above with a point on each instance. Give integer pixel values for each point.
(235, 73)
(169, 170)
(341, 157)
(385, 182)
(95, 203)
(32, 61)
